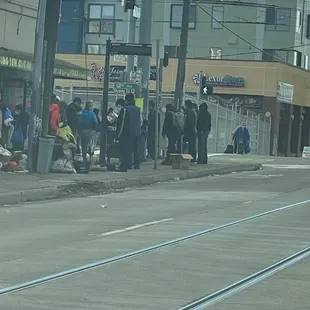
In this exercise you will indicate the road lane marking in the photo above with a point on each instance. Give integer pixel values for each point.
(135, 227)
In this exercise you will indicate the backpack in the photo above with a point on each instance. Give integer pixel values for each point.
(178, 121)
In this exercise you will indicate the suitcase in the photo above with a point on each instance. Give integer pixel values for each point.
(229, 149)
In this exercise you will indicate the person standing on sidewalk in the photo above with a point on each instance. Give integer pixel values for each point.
(136, 120)
(242, 137)
(73, 111)
(190, 130)
(203, 130)
(87, 128)
(123, 135)
(170, 132)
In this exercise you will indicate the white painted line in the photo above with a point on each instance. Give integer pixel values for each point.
(130, 228)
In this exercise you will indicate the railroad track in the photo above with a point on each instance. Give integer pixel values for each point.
(200, 302)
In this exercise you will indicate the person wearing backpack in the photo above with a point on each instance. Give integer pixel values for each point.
(170, 131)
(190, 129)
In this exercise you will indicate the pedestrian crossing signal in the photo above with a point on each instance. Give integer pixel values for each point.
(205, 89)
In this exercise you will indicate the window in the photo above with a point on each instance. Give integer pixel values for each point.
(101, 19)
(297, 58)
(177, 14)
(306, 64)
(218, 14)
(95, 49)
(308, 27)
(215, 53)
(278, 19)
(298, 22)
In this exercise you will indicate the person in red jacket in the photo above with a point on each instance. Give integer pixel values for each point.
(55, 118)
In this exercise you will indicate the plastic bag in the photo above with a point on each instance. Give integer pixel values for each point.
(63, 165)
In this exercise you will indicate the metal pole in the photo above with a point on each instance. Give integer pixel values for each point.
(144, 62)
(216, 126)
(36, 84)
(105, 102)
(50, 35)
(131, 38)
(199, 88)
(157, 103)
(179, 84)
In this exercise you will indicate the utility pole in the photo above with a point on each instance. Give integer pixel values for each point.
(179, 85)
(131, 38)
(50, 36)
(36, 86)
(144, 62)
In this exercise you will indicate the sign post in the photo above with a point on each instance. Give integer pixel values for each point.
(159, 52)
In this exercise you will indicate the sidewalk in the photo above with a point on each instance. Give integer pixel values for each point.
(22, 187)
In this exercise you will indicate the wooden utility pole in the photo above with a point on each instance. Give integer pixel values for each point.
(178, 97)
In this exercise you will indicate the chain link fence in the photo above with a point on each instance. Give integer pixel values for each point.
(226, 117)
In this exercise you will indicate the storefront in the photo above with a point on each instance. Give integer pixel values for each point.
(254, 85)
(15, 76)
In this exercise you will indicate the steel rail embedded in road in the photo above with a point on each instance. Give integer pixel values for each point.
(114, 259)
(227, 291)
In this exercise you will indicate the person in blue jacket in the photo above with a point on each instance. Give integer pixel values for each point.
(242, 138)
(87, 127)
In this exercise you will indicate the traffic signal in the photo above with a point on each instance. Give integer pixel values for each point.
(166, 60)
(129, 5)
(204, 88)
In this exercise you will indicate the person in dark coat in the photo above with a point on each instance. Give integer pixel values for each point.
(151, 130)
(73, 111)
(190, 130)
(123, 135)
(203, 130)
(242, 137)
(135, 118)
(170, 132)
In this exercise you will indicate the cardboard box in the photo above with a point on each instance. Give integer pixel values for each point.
(181, 161)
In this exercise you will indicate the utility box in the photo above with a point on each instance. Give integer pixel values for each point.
(181, 161)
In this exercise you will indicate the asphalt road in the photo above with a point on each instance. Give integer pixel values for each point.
(44, 238)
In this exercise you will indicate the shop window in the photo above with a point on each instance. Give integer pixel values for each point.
(177, 14)
(101, 19)
(278, 19)
(215, 53)
(218, 14)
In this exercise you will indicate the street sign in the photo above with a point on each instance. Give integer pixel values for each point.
(125, 86)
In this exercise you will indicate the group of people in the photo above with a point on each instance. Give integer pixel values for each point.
(13, 127)
(83, 122)
(190, 127)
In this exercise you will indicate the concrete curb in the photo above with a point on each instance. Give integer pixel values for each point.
(80, 189)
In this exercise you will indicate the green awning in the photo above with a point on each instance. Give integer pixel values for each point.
(23, 61)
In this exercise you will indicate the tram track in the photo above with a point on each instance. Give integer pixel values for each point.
(114, 259)
(226, 291)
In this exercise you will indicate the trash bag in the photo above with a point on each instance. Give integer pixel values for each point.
(63, 165)
(4, 152)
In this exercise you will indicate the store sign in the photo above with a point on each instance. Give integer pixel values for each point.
(225, 81)
(15, 63)
(285, 93)
(59, 71)
(116, 73)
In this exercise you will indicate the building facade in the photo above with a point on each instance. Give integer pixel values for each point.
(252, 30)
